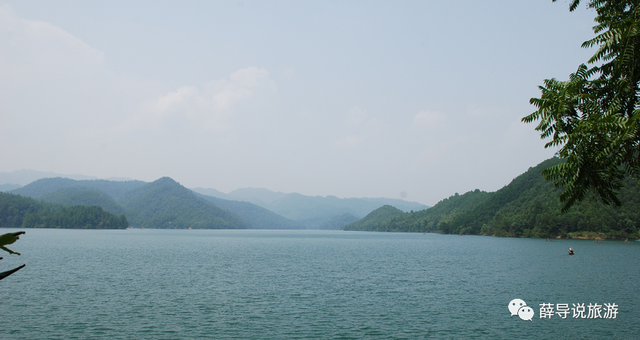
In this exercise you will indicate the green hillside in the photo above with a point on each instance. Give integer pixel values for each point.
(23, 212)
(165, 203)
(527, 189)
(83, 196)
(527, 207)
(45, 186)
(372, 220)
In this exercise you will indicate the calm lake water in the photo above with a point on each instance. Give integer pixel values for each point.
(256, 284)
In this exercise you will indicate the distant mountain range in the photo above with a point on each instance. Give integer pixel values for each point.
(167, 204)
(314, 212)
(257, 217)
(23, 177)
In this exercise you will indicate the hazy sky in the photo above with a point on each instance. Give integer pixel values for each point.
(413, 99)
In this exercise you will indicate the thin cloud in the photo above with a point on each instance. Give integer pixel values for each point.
(348, 142)
(206, 108)
(356, 115)
(33, 50)
(428, 119)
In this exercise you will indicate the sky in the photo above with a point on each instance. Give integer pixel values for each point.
(400, 99)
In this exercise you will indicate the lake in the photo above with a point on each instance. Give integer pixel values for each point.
(302, 284)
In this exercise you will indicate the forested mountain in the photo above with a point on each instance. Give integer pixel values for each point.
(527, 207)
(535, 212)
(383, 213)
(45, 186)
(165, 203)
(254, 216)
(83, 196)
(23, 212)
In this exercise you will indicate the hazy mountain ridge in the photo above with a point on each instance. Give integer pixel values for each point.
(212, 193)
(8, 187)
(45, 186)
(337, 222)
(26, 176)
(314, 212)
(257, 196)
(255, 216)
